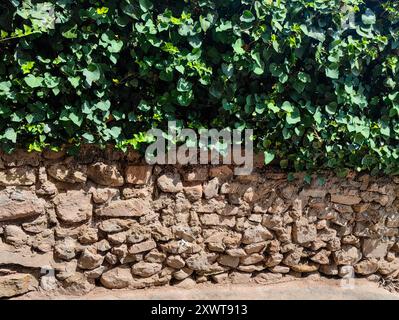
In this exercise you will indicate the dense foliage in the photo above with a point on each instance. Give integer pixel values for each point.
(316, 79)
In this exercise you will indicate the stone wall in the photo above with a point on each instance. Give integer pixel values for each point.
(103, 218)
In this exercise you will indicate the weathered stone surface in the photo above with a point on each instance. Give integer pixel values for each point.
(142, 247)
(146, 269)
(21, 157)
(73, 206)
(21, 176)
(193, 191)
(229, 261)
(366, 267)
(90, 260)
(375, 248)
(211, 188)
(67, 173)
(17, 284)
(305, 267)
(223, 172)
(348, 255)
(196, 174)
(105, 174)
(125, 208)
(65, 249)
(255, 234)
(15, 236)
(138, 175)
(117, 278)
(176, 262)
(217, 220)
(18, 203)
(303, 232)
(24, 258)
(345, 199)
(170, 182)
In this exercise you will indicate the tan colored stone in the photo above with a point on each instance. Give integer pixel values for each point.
(21, 157)
(73, 206)
(17, 284)
(104, 174)
(255, 234)
(68, 173)
(217, 220)
(196, 174)
(305, 267)
(223, 172)
(142, 247)
(348, 255)
(375, 248)
(366, 267)
(20, 176)
(345, 199)
(176, 262)
(139, 175)
(19, 203)
(228, 261)
(193, 191)
(117, 278)
(125, 208)
(303, 232)
(170, 182)
(146, 269)
(90, 260)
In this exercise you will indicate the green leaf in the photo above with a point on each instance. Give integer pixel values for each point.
(369, 17)
(269, 157)
(11, 135)
(183, 85)
(247, 16)
(33, 82)
(332, 73)
(92, 73)
(145, 5)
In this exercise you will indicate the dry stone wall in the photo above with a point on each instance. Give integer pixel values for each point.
(103, 218)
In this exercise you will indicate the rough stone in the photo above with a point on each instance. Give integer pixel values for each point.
(303, 232)
(105, 174)
(366, 267)
(19, 203)
(125, 208)
(17, 284)
(146, 269)
(256, 234)
(21, 176)
(345, 199)
(138, 175)
(170, 182)
(348, 255)
(73, 206)
(117, 278)
(67, 173)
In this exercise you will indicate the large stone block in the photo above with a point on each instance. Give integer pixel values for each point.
(19, 203)
(125, 208)
(73, 206)
(21, 176)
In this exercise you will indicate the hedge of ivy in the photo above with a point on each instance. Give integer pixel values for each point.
(316, 79)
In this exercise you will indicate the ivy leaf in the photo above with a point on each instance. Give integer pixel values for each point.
(145, 5)
(269, 157)
(183, 85)
(332, 73)
(33, 82)
(11, 135)
(369, 17)
(247, 16)
(92, 73)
